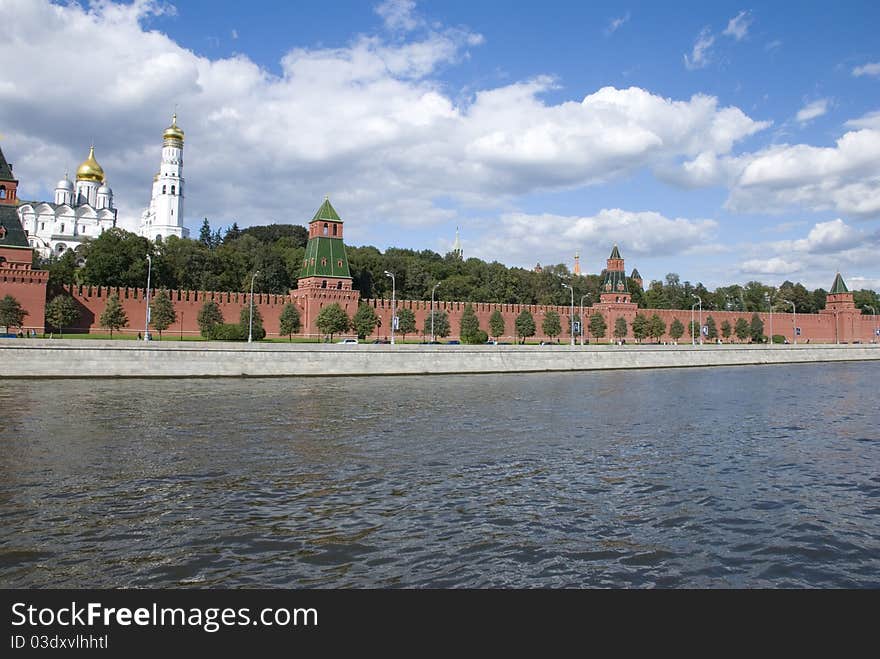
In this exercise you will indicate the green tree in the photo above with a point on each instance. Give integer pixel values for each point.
(406, 322)
(11, 312)
(620, 328)
(114, 316)
(332, 320)
(756, 328)
(118, 258)
(244, 320)
(365, 321)
(205, 233)
(496, 324)
(676, 329)
(598, 326)
(711, 328)
(551, 325)
(290, 322)
(209, 315)
(640, 326)
(62, 312)
(469, 326)
(726, 329)
(441, 324)
(741, 329)
(656, 327)
(525, 325)
(162, 313)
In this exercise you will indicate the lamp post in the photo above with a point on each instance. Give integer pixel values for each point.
(433, 290)
(700, 326)
(793, 320)
(770, 305)
(874, 312)
(583, 322)
(147, 312)
(571, 311)
(251, 319)
(393, 302)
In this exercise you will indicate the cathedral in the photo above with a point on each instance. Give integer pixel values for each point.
(164, 217)
(80, 211)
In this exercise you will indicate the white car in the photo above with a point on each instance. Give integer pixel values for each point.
(348, 341)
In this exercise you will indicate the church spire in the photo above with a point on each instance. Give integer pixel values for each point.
(456, 246)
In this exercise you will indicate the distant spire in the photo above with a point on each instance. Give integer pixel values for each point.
(577, 262)
(456, 246)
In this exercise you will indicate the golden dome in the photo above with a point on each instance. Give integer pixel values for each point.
(90, 170)
(173, 132)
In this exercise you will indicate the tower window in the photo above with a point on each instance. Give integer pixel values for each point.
(172, 189)
(324, 284)
(62, 229)
(42, 226)
(163, 189)
(334, 229)
(2, 192)
(324, 261)
(325, 228)
(339, 263)
(339, 285)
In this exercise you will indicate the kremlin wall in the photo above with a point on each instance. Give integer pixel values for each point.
(325, 279)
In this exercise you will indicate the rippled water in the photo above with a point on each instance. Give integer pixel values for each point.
(723, 477)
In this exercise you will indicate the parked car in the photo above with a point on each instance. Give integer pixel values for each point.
(382, 341)
(348, 341)
(453, 343)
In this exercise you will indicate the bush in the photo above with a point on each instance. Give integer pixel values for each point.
(227, 332)
(476, 338)
(778, 338)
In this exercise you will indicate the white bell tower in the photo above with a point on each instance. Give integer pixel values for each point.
(164, 217)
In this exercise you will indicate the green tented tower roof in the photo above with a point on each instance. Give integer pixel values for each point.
(5, 169)
(635, 274)
(615, 253)
(12, 235)
(326, 212)
(839, 286)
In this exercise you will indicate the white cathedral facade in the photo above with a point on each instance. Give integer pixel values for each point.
(80, 211)
(85, 209)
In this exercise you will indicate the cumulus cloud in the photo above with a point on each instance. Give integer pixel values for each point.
(738, 26)
(525, 238)
(399, 14)
(616, 24)
(367, 122)
(813, 110)
(870, 69)
(699, 57)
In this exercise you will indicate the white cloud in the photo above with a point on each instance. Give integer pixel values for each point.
(870, 120)
(813, 110)
(772, 45)
(234, 33)
(399, 15)
(367, 123)
(870, 69)
(738, 26)
(772, 266)
(699, 57)
(616, 24)
(525, 238)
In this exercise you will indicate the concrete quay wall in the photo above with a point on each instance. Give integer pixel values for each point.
(34, 358)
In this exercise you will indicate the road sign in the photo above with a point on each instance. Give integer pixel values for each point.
(705, 330)
(877, 332)
(577, 326)
(797, 331)
(396, 322)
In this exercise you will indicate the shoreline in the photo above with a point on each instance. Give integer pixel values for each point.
(71, 358)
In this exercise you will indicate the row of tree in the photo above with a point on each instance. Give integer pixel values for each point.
(118, 258)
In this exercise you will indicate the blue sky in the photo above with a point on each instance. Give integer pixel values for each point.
(723, 141)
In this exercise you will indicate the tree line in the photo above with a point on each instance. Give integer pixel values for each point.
(225, 263)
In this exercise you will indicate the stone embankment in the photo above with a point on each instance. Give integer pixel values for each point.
(36, 358)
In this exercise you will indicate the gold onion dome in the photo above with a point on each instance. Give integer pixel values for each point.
(90, 170)
(173, 132)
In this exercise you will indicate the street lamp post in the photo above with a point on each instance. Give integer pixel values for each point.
(251, 318)
(393, 302)
(700, 327)
(147, 312)
(583, 323)
(793, 320)
(770, 305)
(874, 312)
(571, 310)
(433, 290)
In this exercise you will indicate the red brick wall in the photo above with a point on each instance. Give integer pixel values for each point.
(29, 288)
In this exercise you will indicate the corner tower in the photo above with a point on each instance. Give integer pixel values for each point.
(839, 297)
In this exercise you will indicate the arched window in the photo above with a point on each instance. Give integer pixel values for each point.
(163, 189)
(334, 229)
(324, 284)
(172, 189)
(339, 285)
(62, 229)
(324, 261)
(325, 228)
(2, 192)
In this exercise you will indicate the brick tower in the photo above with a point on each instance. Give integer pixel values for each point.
(324, 277)
(613, 289)
(840, 303)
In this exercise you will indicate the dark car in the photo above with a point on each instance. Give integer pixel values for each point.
(453, 343)
(381, 341)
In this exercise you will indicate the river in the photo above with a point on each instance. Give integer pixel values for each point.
(759, 476)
